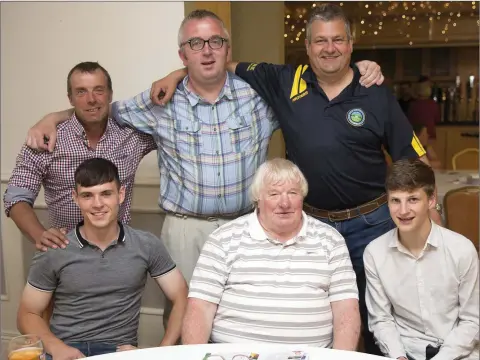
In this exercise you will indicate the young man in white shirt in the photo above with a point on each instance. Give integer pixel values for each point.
(422, 279)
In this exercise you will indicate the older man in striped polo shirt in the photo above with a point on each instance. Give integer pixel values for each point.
(277, 275)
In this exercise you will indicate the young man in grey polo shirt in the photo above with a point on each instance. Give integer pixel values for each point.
(97, 280)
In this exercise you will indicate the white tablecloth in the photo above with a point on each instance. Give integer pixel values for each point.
(449, 180)
(266, 352)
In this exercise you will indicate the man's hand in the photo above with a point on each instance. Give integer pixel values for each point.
(64, 352)
(371, 73)
(43, 135)
(162, 90)
(52, 238)
(126, 348)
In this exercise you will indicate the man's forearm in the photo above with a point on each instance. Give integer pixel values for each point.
(29, 323)
(26, 220)
(197, 324)
(60, 116)
(174, 326)
(346, 330)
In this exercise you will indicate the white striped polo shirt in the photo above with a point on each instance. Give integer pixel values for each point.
(268, 291)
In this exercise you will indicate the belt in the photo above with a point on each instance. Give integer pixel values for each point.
(208, 217)
(341, 215)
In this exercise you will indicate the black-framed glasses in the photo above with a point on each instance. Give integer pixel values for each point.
(197, 44)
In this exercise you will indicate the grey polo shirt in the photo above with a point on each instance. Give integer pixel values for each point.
(97, 294)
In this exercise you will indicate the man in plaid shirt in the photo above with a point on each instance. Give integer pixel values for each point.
(88, 133)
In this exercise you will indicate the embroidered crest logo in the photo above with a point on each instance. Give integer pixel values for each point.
(356, 117)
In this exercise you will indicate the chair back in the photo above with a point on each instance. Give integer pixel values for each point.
(461, 208)
(466, 159)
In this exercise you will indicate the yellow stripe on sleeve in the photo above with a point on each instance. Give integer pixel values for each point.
(417, 146)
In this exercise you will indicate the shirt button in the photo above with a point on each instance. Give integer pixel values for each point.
(217, 152)
(219, 195)
(218, 173)
(214, 129)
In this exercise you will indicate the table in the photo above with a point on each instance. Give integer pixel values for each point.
(449, 180)
(266, 352)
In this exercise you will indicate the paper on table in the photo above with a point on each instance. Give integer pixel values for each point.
(285, 355)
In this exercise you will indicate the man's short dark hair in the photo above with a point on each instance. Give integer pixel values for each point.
(410, 175)
(88, 67)
(96, 171)
(328, 12)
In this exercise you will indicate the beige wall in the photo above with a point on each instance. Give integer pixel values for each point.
(40, 43)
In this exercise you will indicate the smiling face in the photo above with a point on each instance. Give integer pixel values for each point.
(99, 204)
(329, 48)
(410, 209)
(280, 207)
(205, 66)
(90, 96)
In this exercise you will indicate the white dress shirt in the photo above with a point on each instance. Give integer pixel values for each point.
(432, 299)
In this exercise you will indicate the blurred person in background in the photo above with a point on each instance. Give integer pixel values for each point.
(422, 135)
(424, 110)
(406, 95)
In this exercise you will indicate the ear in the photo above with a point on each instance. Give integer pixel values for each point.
(307, 47)
(229, 54)
(110, 97)
(121, 194)
(432, 201)
(350, 45)
(75, 196)
(182, 56)
(70, 98)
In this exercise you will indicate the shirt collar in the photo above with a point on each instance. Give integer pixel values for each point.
(432, 238)
(79, 130)
(194, 99)
(354, 88)
(258, 233)
(83, 242)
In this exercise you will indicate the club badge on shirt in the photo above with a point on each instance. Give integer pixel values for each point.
(356, 117)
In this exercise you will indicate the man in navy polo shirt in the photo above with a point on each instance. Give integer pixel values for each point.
(98, 279)
(334, 130)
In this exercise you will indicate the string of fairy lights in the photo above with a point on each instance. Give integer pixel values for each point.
(405, 18)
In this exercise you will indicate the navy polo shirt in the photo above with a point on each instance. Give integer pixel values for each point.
(337, 144)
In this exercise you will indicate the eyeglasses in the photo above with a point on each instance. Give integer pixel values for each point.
(197, 44)
(235, 357)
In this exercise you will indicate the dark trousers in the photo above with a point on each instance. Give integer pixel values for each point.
(358, 233)
(90, 348)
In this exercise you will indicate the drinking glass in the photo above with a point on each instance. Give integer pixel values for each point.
(26, 347)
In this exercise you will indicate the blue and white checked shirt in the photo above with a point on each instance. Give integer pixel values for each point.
(207, 153)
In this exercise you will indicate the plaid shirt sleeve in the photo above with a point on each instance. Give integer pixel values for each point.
(137, 112)
(27, 178)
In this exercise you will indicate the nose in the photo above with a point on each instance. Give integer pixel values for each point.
(97, 202)
(91, 98)
(404, 209)
(329, 47)
(207, 50)
(284, 201)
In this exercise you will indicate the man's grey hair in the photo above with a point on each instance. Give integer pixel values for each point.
(328, 12)
(276, 171)
(199, 15)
